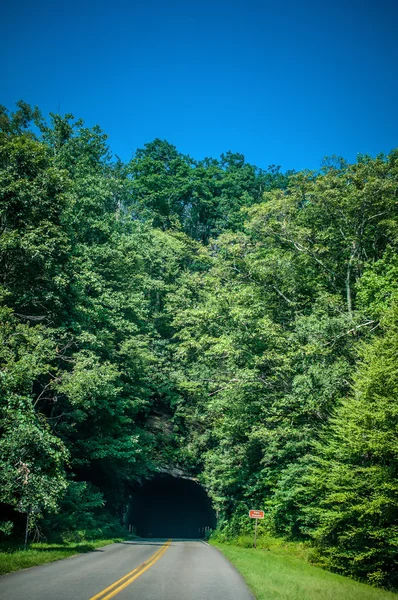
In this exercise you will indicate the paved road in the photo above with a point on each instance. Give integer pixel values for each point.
(139, 570)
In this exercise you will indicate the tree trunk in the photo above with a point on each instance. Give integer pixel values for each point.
(27, 527)
(348, 281)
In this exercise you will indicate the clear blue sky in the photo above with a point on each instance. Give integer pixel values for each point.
(283, 82)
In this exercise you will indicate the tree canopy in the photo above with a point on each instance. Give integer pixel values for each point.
(235, 322)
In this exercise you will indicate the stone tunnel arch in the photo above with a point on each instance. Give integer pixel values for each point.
(171, 507)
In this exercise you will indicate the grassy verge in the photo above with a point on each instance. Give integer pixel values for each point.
(14, 558)
(283, 574)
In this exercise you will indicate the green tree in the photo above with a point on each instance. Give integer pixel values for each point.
(356, 512)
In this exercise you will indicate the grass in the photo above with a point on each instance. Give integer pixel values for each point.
(282, 573)
(15, 558)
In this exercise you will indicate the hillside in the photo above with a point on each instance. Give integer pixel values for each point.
(237, 324)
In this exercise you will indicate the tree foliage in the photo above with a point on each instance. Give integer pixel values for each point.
(238, 323)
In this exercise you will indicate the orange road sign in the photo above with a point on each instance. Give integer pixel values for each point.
(256, 514)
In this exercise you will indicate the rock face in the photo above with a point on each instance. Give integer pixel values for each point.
(175, 471)
(160, 424)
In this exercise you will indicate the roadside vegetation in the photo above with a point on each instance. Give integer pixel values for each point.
(14, 557)
(238, 323)
(280, 571)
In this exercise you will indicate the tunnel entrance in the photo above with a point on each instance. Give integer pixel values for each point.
(171, 507)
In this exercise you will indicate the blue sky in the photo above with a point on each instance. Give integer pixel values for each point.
(283, 82)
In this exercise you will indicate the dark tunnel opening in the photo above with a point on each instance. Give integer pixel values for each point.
(171, 507)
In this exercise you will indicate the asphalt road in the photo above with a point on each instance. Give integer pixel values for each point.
(138, 570)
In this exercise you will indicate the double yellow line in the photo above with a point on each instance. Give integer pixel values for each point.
(123, 582)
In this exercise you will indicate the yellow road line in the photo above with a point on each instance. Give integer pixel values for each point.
(124, 581)
(119, 581)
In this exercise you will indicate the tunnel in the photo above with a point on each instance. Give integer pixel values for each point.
(171, 507)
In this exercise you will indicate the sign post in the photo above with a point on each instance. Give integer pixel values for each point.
(256, 514)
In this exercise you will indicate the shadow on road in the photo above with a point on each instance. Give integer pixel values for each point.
(78, 549)
(144, 543)
(158, 541)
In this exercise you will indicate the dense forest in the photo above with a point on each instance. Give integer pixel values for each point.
(239, 324)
